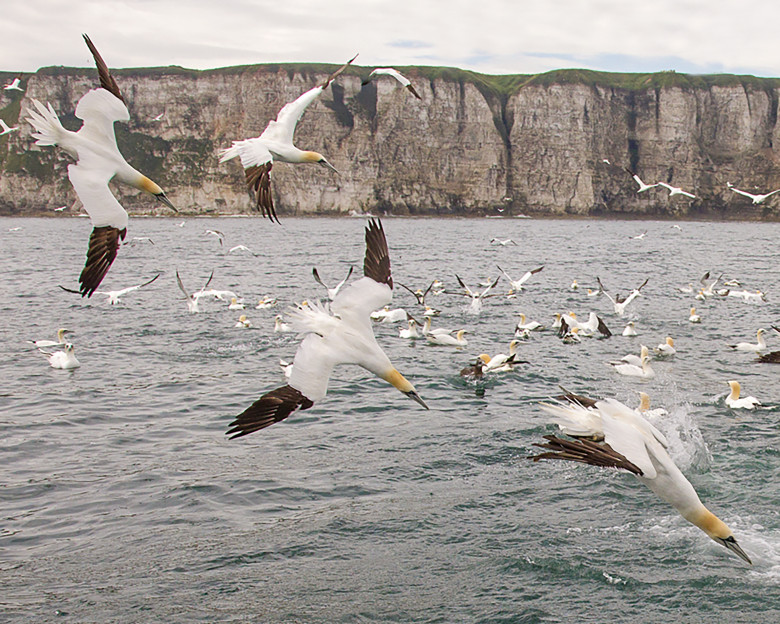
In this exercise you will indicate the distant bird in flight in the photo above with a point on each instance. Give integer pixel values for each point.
(340, 335)
(5, 129)
(14, 84)
(97, 161)
(757, 199)
(676, 190)
(257, 155)
(389, 71)
(503, 243)
(642, 186)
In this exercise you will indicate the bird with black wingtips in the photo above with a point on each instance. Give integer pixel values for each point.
(389, 71)
(258, 154)
(340, 335)
(98, 161)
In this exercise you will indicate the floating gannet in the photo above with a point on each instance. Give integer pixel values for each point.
(644, 371)
(592, 325)
(257, 155)
(613, 435)
(574, 285)
(429, 311)
(517, 285)
(750, 297)
(265, 302)
(114, 296)
(280, 326)
(63, 359)
(447, 339)
(618, 305)
(386, 315)
(758, 347)
(676, 190)
(332, 292)
(694, 318)
(503, 243)
(594, 293)
(570, 335)
(411, 332)
(235, 305)
(222, 295)
(389, 71)
(342, 336)
(5, 129)
(98, 161)
(644, 407)
(685, 289)
(531, 326)
(217, 234)
(503, 362)
(734, 402)
(438, 330)
(757, 199)
(52, 343)
(557, 321)
(630, 329)
(13, 85)
(666, 348)
(243, 322)
(642, 186)
(192, 299)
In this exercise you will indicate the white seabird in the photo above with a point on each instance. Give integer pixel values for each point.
(630, 329)
(757, 198)
(676, 190)
(448, 340)
(192, 299)
(258, 154)
(643, 371)
(243, 322)
(733, 400)
(618, 305)
(613, 435)
(114, 297)
(517, 285)
(13, 85)
(389, 71)
(280, 326)
(642, 186)
(694, 318)
(758, 347)
(666, 347)
(5, 129)
(342, 335)
(98, 160)
(53, 343)
(63, 359)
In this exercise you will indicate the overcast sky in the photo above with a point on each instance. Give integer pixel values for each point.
(489, 36)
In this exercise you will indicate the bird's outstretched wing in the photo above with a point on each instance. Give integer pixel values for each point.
(376, 264)
(103, 247)
(258, 179)
(106, 79)
(270, 408)
(586, 452)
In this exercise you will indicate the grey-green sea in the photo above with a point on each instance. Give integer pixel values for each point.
(122, 499)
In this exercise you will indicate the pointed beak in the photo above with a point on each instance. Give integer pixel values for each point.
(416, 397)
(162, 197)
(327, 165)
(732, 545)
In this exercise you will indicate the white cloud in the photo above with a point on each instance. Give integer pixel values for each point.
(492, 36)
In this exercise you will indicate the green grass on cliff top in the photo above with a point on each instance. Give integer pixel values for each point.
(499, 85)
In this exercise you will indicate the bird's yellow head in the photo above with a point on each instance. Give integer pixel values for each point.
(397, 380)
(717, 530)
(151, 187)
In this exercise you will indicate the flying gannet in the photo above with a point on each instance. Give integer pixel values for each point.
(341, 335)
(192, 299)
(611, 434)
(5, 129)
(642, 186)
(389, 71)
(757, 198)
(98, 160)
(676, 190)
(257, 155)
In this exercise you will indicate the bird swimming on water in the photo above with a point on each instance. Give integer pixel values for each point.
(258, 154)
(341, 335)
(98, 160)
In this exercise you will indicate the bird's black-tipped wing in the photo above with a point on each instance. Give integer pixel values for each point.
(270, 408)
(106, 79)
(103, 246)
(413, 91)
(377, 262)
(337, 73)
(586, 452)
(258, 179)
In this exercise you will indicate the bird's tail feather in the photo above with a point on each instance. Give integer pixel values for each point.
(312, 318)
(48, 129)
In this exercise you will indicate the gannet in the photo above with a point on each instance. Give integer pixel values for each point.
(517, 285)
(685, 289)
(280, 326)
(386, 315)
(639, 236)
(235, 305)
(243, 322)
(419, 294)
(52, 343)
(676, 190)
(630, 329)
(447, 339)
(332, 292)
(389, 71)
(411, 332)
(241, 248)
(138, 239)
(758, 347)
(530, 326)
(644, 407)
(158, 117)
(570, 335)
(642, 186)
(429, 311)
(522, 334)
(757, 199)
(734, 402)
(620, 306)
(666, 347)
(502, 362)
(750, 297)
(591, 326)
(257, 155)
(342, 335)
(694, 318)
(265, 302)
(594, 293)
(557, 320)
(475, 307)
(63, 359)
(632, 370)
(60, 209)
(222, 295)
(708, 287)
(613, 435)
(98, 161)
(574, 285)
(114, 296)
(503, 243)
(438, 330)
(217, 234)
(477, 370)
(5, 129)
(192, 299)
(13, 85)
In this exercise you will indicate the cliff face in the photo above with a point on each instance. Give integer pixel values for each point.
(468, 147)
